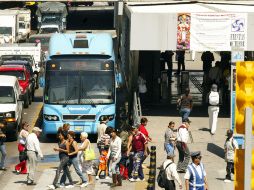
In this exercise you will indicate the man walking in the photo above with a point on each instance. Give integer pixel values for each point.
(139, 147)
(181, 145)
(33, 151)
(213, 100)
(195, 176)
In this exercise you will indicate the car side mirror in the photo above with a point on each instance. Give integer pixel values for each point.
(21, 97)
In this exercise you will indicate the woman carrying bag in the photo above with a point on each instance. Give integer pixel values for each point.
(21, 167)
(86, 156)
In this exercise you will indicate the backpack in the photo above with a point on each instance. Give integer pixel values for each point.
(162, 177)
(214, 98)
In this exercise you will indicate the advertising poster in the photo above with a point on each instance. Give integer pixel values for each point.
(218, 31)
(183, 31)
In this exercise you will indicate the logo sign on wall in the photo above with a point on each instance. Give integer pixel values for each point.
(218, 31)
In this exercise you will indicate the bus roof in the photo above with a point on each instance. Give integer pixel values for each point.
(90, 44)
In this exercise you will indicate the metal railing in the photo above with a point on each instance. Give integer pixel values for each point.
(137, 112)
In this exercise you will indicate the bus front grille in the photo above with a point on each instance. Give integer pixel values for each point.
(79, 117)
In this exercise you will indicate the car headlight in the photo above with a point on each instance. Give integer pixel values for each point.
(51, 117)
(110, 117)
(10, 114)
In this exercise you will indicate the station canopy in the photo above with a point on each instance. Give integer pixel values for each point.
(196, 26)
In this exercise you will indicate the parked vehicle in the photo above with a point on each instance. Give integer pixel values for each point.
(51, 17)
(41, 38)
(24, 78)
(30, 52)
(14, 25)
(11, 105)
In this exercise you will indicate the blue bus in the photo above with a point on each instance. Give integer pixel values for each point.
(79, 83)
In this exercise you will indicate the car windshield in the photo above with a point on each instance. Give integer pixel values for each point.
(6, 95)
(36, 39)
(19, 74)
(5, 30)
(48, 30)
(79, 87)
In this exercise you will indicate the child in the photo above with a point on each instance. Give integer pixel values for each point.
(229, 149)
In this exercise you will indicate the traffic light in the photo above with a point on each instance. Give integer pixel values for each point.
(244, 98)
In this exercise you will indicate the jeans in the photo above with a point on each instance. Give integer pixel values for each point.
(229, 169)
(185, 112)
(3, 153)
(63, 166)
(75, 163)
(213, 112)
(137, 170)
(184, 156)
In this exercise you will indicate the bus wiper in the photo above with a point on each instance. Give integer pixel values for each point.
(83, 92)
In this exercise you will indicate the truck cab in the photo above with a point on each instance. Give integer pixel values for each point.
(24, 78)
(11, 105)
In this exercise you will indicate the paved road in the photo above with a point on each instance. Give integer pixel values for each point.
(211, 147)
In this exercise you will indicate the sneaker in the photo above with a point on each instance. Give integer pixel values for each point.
(138, 179)
(3, 168)
(97, 178)
(107, 178)
(51, 187)
(227, 181)
(79, 183)
(69, 186)
(61, 185)
(84, 184)
(132, 180)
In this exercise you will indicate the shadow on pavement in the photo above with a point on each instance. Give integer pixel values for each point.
(213, 148)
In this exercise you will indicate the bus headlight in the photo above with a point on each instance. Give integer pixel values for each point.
(51, 117)
(110, 117)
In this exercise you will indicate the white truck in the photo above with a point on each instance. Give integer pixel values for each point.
(14, 25)
(51, 17)
(23, 50)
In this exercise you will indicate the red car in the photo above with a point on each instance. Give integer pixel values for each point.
(24, 78)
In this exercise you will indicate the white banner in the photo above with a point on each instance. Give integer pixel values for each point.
(218, 31)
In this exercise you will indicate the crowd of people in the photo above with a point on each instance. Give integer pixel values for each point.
(121, 155)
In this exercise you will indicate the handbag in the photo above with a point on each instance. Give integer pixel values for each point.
(89, 153)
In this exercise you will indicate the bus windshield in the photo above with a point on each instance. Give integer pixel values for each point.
(79, 87)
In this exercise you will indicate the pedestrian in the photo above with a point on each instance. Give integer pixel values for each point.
(21, 167)
(167, 56)
(170, 138)
(170, 167)
(195, 176)
(213, 100)
(101, 128)
(142, 129)
(180, 61)
(182, 147)
(63, 165)
(72, 148)
(207, 58)
(229, 148)
(114, 156)
(33, 152)
(185, 104)
(86, 165)
(104, 147)
(66, 128)
(139, 148)
(142, 89)
(215, 74)
(2, 145)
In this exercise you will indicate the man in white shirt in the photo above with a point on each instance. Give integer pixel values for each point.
(195, 176)
(181, 145)
(101, 128)
(33, 151)
(171, 172)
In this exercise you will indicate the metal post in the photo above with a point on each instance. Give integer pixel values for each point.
(248, 149)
